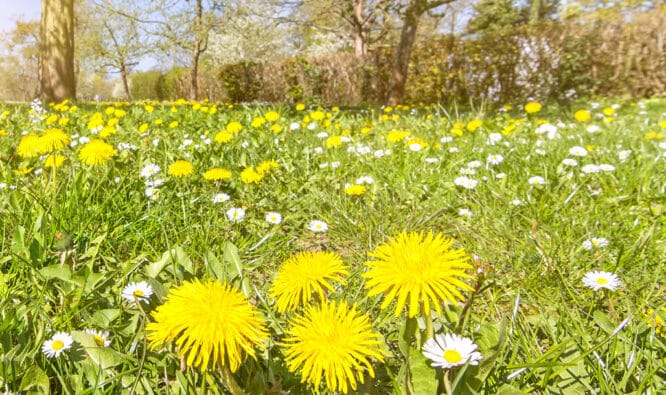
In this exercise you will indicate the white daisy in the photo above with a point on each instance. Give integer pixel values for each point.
(415, 147)
(474, 164)
(318, 226)
(465, 212)
(365, 180)
(151, 192)
(60, 342)
(606, 167)
(235, 214)
(624, 155)
(150, 170)
(273, 218)
(598, 279)
(495, 159)
(536, 180)
(137, 292)
(101, 338)
(500, 176)
(590, 169)
(448, 351)
(570, 162)
(220, 198)
(467, 183)
(595, 242)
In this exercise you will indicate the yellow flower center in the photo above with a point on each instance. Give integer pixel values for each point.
(602, 281)
(99, 340)
(57, 345)
(452, 356)
(138, 293)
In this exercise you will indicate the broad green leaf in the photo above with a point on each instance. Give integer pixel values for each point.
(508, 389)
(103, 318)
(104, 357)
(423, 376)
(214, 266)
(34, 379)
(61, 272)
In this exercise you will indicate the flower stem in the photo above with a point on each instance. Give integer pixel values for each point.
(230, 382)
(429, 332)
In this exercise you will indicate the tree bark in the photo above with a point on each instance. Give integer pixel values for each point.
(56, 49)
(404, 51)
(360, 35)
(197, 49)
(124, 76)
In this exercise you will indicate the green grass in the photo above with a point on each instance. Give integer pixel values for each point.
(73, 239)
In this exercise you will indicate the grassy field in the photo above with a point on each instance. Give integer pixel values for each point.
(208, 248)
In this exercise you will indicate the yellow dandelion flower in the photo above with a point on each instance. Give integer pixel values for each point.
(223, 136)
(54, 160)
(96, 152)
(216, 174)
(355, 190)
(143, 127)
(532, 107)
(23, 170)
(333, 141)
(456, 132)
(51, 119)
(656, 321)
(3, 132)
(258, 122)
(29, 146)
(272, 116)
(234, 127)
(653, 136)
(333, 341)
(107, 131)
(662, 124)
(173, 124)
(305, 274)
(53, 140)
(266, 166)
(396, 136)
(608, 111)
(180, 168)
(474, 124)
(250, 176)
(208, 322)
(417, 268)
(317, 115)
(148, 108)
(276, 129)
(300, 107)
(109, 110)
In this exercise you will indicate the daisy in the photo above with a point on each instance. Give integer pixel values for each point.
(536, 180)
(570, 162)
(598, 279)
(306, 274)
(318, 226)
(101, 338)
(334, 343)
(465, 212)
(235, 214)
(606, 167)
(210, 323)
(474, 164)
(578, 151)
(495, 159)
(467, 183)
(60, 342)
(421, 270)
(449, 350)
(137, 292)
(365, 180)
(151, 192)
(590, 169)
(595, 242)
(624, 155)
(220, 198)
(150, 170)
(273, 218)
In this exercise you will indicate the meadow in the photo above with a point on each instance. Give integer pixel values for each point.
(194, 247)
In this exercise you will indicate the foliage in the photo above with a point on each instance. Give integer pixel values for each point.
(75, 236)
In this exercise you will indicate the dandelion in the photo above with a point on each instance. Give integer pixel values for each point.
(417, 269)
(53, 140)
(180, 168)
(209, 322)
(355, 190)
(236, 214)
(217, 174)
(450, 350)
(318, 226)
(656, 321)
(474, 124)
(536, 180)
(96, 152)
(273, 218)
(305, 274)
(334, 341)
(598, 279)
(137, 292)
(54, 160)
(582, 115)
(532, 107)
(595, 242)
(272, 116)
(29, 146)
(251, 176)
(101, 338)
(59, 343)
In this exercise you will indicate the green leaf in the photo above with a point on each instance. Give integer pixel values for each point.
(214, 266)
(104, 357)
(174, 255)
(34, 379)
(61, 272)
(424, 380)
(103, 318)
(234, 267)
(508, 389)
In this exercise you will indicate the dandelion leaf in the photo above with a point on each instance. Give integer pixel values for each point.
(35, 380)
(424, 380)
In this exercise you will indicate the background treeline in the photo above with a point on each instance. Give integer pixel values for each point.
(548, 61)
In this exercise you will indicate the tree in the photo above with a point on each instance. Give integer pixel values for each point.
(112, 41)
(56, 48)
(411, 14)
(494, 16)
(19, 62)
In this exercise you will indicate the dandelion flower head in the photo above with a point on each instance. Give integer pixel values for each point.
(209, 322)
(180, 168)
(334, 341)
(415, 268)
(96, 152)
(305, 274)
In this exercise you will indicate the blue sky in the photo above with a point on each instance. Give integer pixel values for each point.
(11, 10)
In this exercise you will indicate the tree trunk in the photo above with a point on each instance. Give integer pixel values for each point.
(403, 52)
(196, 52)
(56, 50)
(126, 87)
(360, 35)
